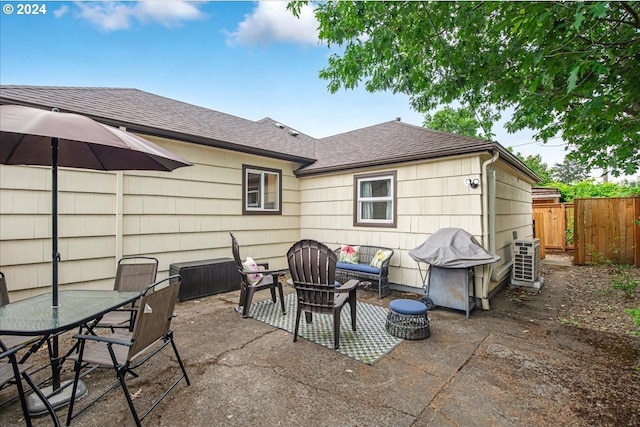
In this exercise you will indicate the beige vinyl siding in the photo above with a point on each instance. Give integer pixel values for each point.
(431, 195)
(513, 213)
(85, 227)
(187, 215)
(179, 216)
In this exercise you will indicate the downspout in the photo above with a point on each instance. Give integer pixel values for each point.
(488, 228)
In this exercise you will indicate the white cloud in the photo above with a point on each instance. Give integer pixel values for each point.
(168, 12)
(113, 16)
(61, 11)
(271, 21)
(107, 16)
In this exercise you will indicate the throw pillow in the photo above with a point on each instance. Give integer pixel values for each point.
(250, 265)
(379, 257)
(349, 254)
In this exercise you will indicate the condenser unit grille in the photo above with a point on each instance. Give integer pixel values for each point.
(526, 260)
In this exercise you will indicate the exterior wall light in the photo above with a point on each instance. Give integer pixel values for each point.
(473, 183)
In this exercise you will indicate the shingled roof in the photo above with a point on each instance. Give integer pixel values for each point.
(397, 142)
(145, 113)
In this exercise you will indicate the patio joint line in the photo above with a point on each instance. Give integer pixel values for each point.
(452, 376)
(217, 360)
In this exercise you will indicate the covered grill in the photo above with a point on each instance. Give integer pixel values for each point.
(451, 254)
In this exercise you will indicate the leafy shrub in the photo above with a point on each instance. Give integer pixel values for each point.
(568, 236)
(622, 282)
(588, 189)
(635, 315)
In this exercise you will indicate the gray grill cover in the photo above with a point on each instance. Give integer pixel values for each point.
(452, 248)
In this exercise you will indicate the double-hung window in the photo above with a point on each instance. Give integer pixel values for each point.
(261, 190)
(375, 200)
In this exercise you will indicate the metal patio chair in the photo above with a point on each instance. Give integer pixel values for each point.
(11, 341)
(134, 273)
(13, 373)
(126, 353)
(269, 281)
(10, 345)
(312, 266)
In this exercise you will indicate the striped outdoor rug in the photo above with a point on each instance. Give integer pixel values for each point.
(367, 344)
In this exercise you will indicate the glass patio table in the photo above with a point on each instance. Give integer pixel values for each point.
(37, 317)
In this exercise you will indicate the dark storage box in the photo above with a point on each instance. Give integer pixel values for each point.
(206, 277)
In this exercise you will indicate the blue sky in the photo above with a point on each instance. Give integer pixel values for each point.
(248, 59)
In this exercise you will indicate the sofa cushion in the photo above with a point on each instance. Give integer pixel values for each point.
(379, 257)
(364, 268)
(349, 254)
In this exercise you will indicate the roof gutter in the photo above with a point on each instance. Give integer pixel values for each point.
(218, 144)
(518, 164)
(386, 161)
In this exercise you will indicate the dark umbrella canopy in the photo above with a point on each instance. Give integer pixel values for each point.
(82, 143)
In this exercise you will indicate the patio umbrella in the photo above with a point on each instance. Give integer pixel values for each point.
(32, 136)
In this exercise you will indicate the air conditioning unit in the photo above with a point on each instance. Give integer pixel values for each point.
(526, 263)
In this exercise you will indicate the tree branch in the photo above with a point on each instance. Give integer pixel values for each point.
(627, 6)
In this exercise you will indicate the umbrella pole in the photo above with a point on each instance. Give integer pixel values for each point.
(56, 395)
(55, 256)
(55, 361)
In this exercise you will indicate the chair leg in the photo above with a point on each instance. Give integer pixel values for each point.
(295, 332)
(76, 378)
(273, 293)
(44, 400)
(247, 302)
(336, 328)
(352, 306)
(175, 350)
(281, 298)
(23, 399)
(243, 294)
(121, 374)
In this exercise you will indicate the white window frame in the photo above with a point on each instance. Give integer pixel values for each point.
(258, 194)
(360, 200)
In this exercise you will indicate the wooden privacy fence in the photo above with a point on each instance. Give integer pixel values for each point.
(551, 220)
(607, 230)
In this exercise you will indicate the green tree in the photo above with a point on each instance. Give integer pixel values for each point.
(565, 68)
(535, 163)
(569, 172)
(461, 121)
(589, 189)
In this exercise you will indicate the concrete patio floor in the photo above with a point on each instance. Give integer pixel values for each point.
(488, 370)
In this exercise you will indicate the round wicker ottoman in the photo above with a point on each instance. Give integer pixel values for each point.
(408, 319)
